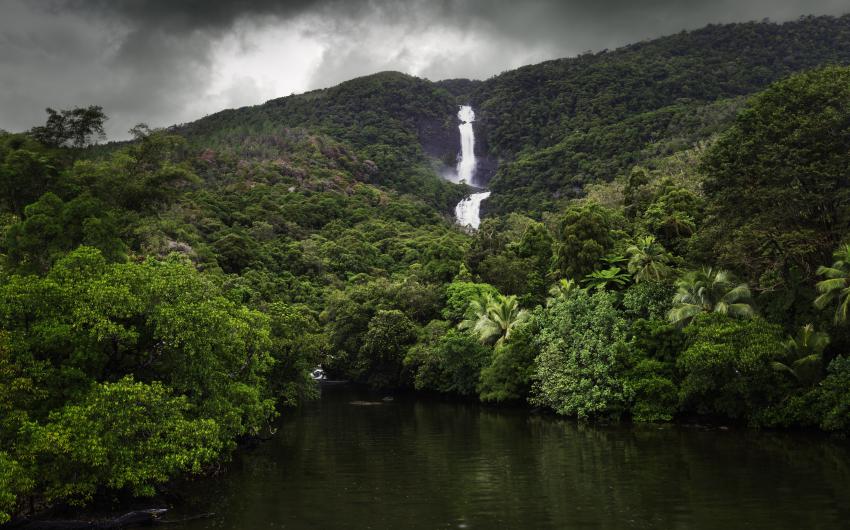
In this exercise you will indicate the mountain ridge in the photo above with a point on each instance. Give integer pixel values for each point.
(541, 125)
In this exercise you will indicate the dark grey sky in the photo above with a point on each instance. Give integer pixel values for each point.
(170, 61)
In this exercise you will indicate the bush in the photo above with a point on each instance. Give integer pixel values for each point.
(726, 367)
(13, 485)
(447, 360)
(652, 352)
(380, 359)
(579, 371)
(655, 396)
(126, 434)
(650, 300)
(460, 294)
(833, 397)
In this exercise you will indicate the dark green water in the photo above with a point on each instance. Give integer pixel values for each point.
(421, 463)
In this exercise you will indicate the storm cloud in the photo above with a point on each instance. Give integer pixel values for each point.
(165, 62)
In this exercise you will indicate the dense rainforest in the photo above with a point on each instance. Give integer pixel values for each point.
(668, 238)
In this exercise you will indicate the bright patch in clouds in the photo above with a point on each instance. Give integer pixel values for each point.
(258, 62)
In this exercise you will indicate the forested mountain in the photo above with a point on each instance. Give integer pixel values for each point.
(558, 125)
(561, 124)
(667, 238)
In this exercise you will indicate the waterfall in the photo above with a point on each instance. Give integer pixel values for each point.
(466, 164)
(467, 210)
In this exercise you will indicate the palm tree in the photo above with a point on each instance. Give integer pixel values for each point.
(601, 280)
(836, 286)
(494, 321)
(561, 290)
(477, 306)
(804, 355)
(648, 260)
(709, 290)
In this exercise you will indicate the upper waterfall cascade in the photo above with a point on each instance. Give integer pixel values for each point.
(466, 164)
(468, 210)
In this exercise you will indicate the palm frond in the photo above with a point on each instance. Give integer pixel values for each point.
(781, 367)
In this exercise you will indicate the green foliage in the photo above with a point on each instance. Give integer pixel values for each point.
(561, 124)
(26, 172)
(50, 228)
(88, 444)
(776, 181)
(832, 397)
(190, 367)
(513, 253)
(584, 238)
(825, 405)
(709, 290)
(459, 297)
(447, 360)
(508, 375)
(803, 358)
(561, 290)
(578, 370)
(226, 258)
(394, 123)
(650, 378)
(648, 261)
(297, 347)
(144, 176)
(494, 318)
(381, 357)
(656, 339)
(348, 313)
(159, 320)
(726, 367)
(655, 395)
(611, 278)
(673, 217)
(651, 300)
(14, 484)
(835, 288)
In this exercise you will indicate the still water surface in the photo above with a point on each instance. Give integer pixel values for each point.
(424, 463)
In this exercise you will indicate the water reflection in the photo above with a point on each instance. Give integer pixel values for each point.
(418, 463)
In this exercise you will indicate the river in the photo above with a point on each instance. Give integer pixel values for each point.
(419, 462)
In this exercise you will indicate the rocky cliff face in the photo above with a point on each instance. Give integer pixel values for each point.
(439, 137)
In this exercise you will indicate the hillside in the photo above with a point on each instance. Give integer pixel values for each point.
(560, 124)
(403, 124)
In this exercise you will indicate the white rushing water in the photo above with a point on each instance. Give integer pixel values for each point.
(466, 164)
(468, 210)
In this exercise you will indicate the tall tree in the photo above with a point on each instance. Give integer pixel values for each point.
(778, 182)
(584, 238)
(75, 127)
(648, 261)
